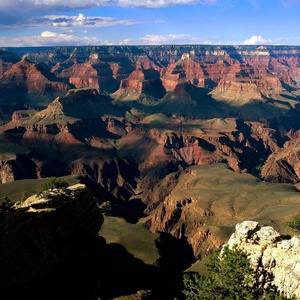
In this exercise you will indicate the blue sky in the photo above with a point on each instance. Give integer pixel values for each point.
(151, 22)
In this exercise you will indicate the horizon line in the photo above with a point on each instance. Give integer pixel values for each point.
(154, 45)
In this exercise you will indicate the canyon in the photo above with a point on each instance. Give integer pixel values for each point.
(187, 140)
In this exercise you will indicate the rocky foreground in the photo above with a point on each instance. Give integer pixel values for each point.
(49, 245)
(272, 254)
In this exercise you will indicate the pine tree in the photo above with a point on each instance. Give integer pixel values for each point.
(229, 276)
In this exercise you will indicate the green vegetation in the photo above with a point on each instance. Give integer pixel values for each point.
(257, 170)
(24, 196)
(229, 276)
(295, 224)
(52, 183)
(20, 190)
(17, 189)
(5, 204)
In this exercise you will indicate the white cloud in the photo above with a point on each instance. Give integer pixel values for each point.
(15, 12)
(69, 38)
(48, 34)
(257, 40)
(71, 4)
(49, 38)
(77, 21)
(161, 3)
(128, 41)
(168, 39)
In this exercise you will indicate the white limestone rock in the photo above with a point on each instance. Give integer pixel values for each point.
(269, 251)
(244, 230)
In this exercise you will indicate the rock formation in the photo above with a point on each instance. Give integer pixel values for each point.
(203, 203)
(265, 70)
(271, 253)
(48, 240)
(283, 164)
(28, 85)
(139, 122)
(93, 74)
(31, 77)
(142, 85)
(7, 59)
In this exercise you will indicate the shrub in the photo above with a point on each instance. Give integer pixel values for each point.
(295, 224)
(24, 196)
(53, 182)
(230, 276)
(6, 204)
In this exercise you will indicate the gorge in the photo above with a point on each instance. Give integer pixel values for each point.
(184, 140)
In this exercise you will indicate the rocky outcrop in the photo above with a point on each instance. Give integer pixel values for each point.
(92, 74)
(175, 217)
(227, 140)
(7, 59)
(116, 176)
(143, 85)
(16, 167)
(17, 116)
(81, 75)
(241, 92)
(203, 203)
(28, 85)
(31, 77)
(76, 105)
(184, 99)
(284, 164)
(47, 241)
(185, 69)
(6, 172)
(269, 70)
(271, 253)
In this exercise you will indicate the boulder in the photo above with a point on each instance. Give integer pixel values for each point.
(270, 253)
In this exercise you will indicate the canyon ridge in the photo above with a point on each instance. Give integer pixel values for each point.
(185, 140)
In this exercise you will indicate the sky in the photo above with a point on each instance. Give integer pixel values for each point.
(149, 22)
